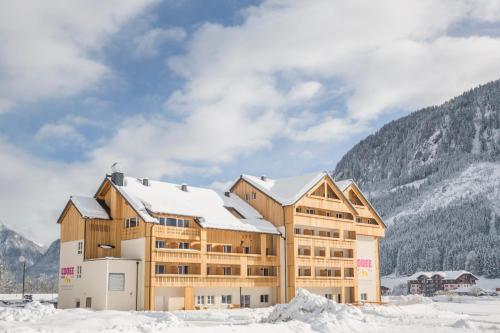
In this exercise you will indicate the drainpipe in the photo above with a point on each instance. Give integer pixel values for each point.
(150, 262)
(136, 283)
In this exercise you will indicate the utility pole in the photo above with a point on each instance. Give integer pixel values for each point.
(23, 260)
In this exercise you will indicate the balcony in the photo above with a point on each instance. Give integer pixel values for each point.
(176, 255)
(176, 232)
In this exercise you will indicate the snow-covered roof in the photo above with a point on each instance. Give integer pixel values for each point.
(89, 208)
(286, 191)
(444, 274)
(207, 205)
(343, 184)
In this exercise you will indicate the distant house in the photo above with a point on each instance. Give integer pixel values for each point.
(428, 283)
(385, 290)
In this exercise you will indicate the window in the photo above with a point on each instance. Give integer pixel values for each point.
(80, 248)
(183, 270)
(246, 249)
(310, 211)
(78, 272)
(298, 209)
(160, 269)
(247, 197)
(210, 299)
(226, 270)
(254, 195)
(183, 223)
(162, 220)
(183, 245)
(339, 215)
(77, 305)
(226, 299)
(264, 298)
(364, 296)
(131, 222)
(200, 300)
(235, 212)
(209, 247)
(160, 244)
(171, 222)
(226, 248)
(329, 296)
(297, 231)
(116, 281)
(265, 271)
(358, 219)
(328, 213)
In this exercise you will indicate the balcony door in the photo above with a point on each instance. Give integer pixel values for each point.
(245, 301)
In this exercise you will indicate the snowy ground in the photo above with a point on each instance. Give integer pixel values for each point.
(306, 313)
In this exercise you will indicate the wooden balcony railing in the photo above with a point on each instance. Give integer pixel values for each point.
(176, 232)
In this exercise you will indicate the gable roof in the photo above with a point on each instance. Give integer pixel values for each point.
(207, 205)
(345, 184)
(87, 207)
(444, 274)
(285, 191)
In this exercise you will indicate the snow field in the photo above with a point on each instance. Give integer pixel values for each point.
(306, 313)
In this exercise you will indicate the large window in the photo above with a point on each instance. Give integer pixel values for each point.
(200, 300)
(264, 298)
(226, 299)
(210, 299)
(160, 244)
(160, 269)
(116, 281)
(173, 222)
(131, 222)
(183, 270)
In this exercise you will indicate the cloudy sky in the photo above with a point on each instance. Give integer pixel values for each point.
(202, 91)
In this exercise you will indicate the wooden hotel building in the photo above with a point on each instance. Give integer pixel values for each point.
(151, 245)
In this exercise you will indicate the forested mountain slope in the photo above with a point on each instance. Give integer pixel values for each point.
(434, 176)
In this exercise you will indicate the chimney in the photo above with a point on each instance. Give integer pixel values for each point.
(117, 178)
(263, 178)
(145, 181)
(184, 187)
(227, 194)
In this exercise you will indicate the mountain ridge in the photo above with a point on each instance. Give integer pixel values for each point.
(433, 163)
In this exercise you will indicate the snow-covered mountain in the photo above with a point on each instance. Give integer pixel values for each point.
(41, 266)
(434, 176)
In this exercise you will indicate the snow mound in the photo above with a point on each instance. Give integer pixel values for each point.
(464, 323)
(31, 312)
(408, 300)
(321, 314)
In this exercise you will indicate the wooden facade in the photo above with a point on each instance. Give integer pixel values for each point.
(318, 233)
(327, 219)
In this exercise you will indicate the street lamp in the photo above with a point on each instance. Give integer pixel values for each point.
(23, 260)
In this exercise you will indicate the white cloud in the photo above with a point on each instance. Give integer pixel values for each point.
(148, 44)
(51, 49)
(304, 91)
(381, 56)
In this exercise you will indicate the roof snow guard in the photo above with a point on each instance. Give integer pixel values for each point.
(208, 206)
